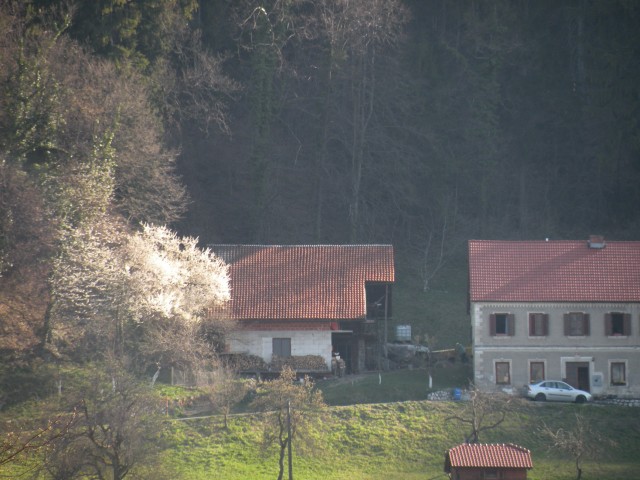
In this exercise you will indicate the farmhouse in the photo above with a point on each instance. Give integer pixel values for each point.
(472, 461)
(310, 300)
(566, 310)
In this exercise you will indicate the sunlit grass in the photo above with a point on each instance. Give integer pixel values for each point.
(395, 441)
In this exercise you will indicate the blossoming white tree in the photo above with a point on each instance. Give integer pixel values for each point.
(176, 278)
(144, 294)
(175, 283)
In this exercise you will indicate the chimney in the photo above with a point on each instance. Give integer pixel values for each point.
(596, 241)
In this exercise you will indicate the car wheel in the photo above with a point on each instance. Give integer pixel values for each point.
(580, 399)
(540, 397)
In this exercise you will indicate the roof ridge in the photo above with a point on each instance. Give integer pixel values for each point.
(302, 245)
(546, 240)
(507, 444)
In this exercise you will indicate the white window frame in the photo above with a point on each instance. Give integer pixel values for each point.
(544, 366)
(495, 371)
(626, 373)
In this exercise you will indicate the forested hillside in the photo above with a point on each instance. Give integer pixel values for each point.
(420, 123)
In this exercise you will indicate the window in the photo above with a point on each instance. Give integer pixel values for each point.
(538, 324)
(576, 324)
(618, 373)
(490, 475)
(282, 347)
(617, 324)
(503, 373)
(502, 324)
(536, 371)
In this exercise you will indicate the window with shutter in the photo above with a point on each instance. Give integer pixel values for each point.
(617, 324)
(538, 324)
(576, 324)
(502, 324)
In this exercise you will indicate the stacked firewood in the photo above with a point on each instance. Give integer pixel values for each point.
(243, 362)
(299, 363)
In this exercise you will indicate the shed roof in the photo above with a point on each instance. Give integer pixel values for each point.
(471, 455)
(556, 271)
(287, 282)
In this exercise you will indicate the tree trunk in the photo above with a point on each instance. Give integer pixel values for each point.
(283, 447)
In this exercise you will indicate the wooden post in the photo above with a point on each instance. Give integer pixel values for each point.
(290, 439)
(386, 326)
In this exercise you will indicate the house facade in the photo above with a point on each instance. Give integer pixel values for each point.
(565, 310)
(309, 300)
(473, 461)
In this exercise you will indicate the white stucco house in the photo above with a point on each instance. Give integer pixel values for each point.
(567, 310)
(300, 300)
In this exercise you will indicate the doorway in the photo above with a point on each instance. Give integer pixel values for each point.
(578, 375)
(342, 344)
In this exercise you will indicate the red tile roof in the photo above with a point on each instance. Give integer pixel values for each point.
(553, 271)
(471, 455)
(295, 282)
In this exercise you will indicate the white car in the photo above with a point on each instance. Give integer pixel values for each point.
(556, 390)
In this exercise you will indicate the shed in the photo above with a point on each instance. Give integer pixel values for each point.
(471, 461)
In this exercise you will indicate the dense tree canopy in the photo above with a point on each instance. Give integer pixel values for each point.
(420, 123)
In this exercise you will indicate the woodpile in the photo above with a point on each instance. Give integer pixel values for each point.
(313, 363)
(243, 362)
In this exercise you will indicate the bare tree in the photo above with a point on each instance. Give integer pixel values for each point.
(26, 241)
(484, 411)
(580, 442)
(66, 458)
(225, 391)
(289, 405)
(357, 32)
(118, 422)
(195, 90)
(29, 439)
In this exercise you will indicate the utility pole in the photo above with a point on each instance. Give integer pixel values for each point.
(289, 438)
(386, 326)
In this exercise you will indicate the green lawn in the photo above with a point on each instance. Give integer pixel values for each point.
(382, 428)
(393, 386)
(359, 438)
(402, 440)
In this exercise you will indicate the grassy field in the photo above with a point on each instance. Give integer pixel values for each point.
(381, 428)
(369, 433)
(394, 386)
(403, 440)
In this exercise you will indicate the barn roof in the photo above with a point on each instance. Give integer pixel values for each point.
(554, 271)
(471, 455)
(287, 282)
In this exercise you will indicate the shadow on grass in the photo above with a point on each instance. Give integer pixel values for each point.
(394, 386)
